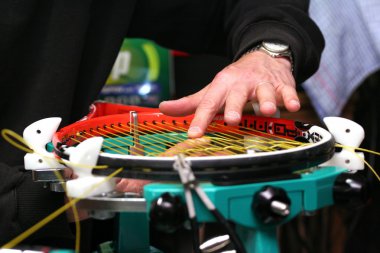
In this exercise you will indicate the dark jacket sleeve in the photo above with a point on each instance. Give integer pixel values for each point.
(23, 203)
(231, 27)
(286, 21)
(9, 179)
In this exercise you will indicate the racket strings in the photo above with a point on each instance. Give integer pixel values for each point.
(87, 135)
(190, 148)
(234, 141)
(123, 139)
(255, 143)
(122, 146)
(225, 141)
(254, 139)
(230, 141)
(198, 147)
(156, 133)
(161, 136)
(159, 139)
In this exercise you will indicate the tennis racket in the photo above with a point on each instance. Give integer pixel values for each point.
(138, 139)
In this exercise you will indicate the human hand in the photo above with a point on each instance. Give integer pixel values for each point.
(256, 76)
(82, 214)
(122, 184)
(131, 185)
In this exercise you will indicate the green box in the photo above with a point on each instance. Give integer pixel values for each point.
(141, 75)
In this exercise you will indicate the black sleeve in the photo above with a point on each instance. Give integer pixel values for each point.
(23, 203)
(231, 27)
(9, 179)
(285, 20)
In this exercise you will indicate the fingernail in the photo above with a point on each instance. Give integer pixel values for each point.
(233, 115)
(294, 103)
(194, 130)
(268, 106)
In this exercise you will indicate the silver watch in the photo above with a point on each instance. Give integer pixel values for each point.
(276, 49)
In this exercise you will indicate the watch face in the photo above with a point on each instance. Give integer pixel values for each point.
(275, 47)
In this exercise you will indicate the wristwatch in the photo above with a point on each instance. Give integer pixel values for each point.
(275, 49)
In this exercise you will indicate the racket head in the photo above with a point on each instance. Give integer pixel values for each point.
(155, 130)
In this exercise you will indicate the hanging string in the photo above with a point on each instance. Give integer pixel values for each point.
(21, 144)
(14, 242)
(352, 150)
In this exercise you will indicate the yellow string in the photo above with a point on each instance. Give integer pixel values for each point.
(105, 141)
(119, 130)
(352, 150)
(368, 151)
(181, 129)
(287, 144)
(77, 225)
(276, 141)
(371, 168)
(231, 141)
(7, 133)
(262, 135)
(53, 215)
(227, 141)
(224, 140)
(22, 145)
(19, 142)
(168, 143)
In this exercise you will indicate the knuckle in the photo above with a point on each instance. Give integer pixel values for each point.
(279, 88)
(261, 76)
(208, 104)
(228, 74)
(223, 76)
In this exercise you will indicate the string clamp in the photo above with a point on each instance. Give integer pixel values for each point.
(185, 172)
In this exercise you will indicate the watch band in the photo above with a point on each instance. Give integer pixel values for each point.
(274, 49)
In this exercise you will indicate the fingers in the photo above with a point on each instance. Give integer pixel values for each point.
(187, 105)
(201, 103)
(131, 185)
(183, 106)
(277, 88)
(235, 102)
(290, 98)
(202, 118)
(81, 214)
(208, 106)
(266, 96)
(68, 173)
(256, 76)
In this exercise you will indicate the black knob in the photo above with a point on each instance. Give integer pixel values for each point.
(167, 213)
(351, 190)
(271, 205)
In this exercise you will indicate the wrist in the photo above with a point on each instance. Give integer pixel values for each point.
(274, 49)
